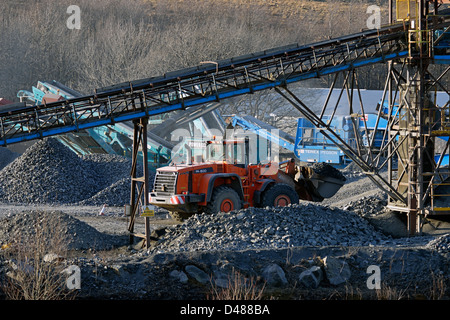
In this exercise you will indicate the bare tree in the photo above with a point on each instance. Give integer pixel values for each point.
(122, 40)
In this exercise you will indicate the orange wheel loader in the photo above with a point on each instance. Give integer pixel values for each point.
(226, 181)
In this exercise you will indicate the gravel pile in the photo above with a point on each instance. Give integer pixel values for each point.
(116, 195)
(305, 224)
(76, 234)
(113, 174)
(440, 244)
(108, 168)
(368, 206)
(6, 157)
(49, 172)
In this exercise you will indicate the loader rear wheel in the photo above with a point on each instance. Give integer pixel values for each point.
(279, 195)
(224, 199)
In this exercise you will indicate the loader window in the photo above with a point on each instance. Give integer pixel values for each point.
(215, 152)
(230, 152)
(235, 153)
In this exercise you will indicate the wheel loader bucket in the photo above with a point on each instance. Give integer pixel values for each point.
(326, 186)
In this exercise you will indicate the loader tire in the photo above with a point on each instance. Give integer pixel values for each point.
(224, 199)
(279, 195)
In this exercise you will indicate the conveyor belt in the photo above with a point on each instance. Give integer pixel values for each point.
(207, 82)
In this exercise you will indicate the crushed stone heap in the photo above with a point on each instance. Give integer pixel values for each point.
(49, 172)
(305, 224)
(440, 244)
(54, 226)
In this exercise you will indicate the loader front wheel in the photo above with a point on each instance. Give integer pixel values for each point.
(279, 195)
(224, 199)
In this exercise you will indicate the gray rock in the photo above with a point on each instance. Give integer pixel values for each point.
(52, 257)
(198, 274)
(440, 244)
(337, 271)
(303, 224)
(221, 279)
(222, 283)
(49, 172)
(74, 233)
(118, 268)
(179, 275)
(274, 275)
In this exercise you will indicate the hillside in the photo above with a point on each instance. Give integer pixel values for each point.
(126, 40)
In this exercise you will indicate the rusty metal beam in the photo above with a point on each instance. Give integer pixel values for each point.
(140, 184)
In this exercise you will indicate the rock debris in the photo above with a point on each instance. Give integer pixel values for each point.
(305, 224)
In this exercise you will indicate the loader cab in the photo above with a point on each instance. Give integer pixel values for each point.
(231, 151)
(239, 152)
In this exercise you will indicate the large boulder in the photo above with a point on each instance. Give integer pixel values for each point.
(274, 275)
(197, 273)
(337, 271)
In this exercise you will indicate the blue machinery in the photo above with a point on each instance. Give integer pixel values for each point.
(418, 39)
(311, 145)
(263, 130)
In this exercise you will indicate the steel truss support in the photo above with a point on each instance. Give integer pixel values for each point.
(356, 153)
(420, 121)
(413, 122)
(406, 153)
(139, 184)
(416, 121)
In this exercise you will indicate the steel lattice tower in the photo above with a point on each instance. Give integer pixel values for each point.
(419, 120)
